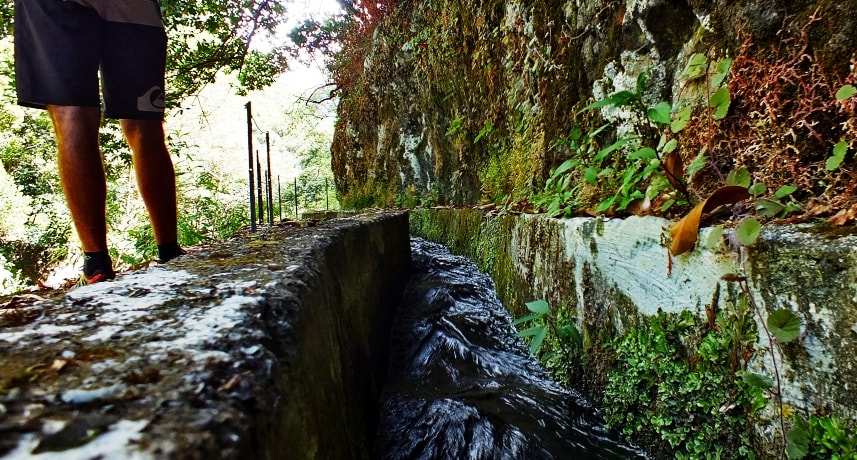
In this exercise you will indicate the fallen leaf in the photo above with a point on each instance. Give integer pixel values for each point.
(844, 216)
(675, 169)
(639, 206)
(686, 231)
(59, 364)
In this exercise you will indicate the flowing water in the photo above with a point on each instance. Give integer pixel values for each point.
(462, 386)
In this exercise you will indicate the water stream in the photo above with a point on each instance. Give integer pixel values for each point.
(462, 386)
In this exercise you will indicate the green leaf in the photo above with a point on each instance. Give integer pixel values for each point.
(682, 118)
(670, 146)
(646, 153)
(785, 191)
(572, 334)
(591, 175)
(839, 151)
(749, 231)
(757, 381)
(757, 189)
(617, 99)
(538, 333)
(740, 177)
(722, 71)
(539, 307)
(641, 82)
(660, 113)
(784, 325)
(605, 205)
(695, 66)
(611, 148)
(565, 166)
(769, 208)
(798, 443)
(845, 92)
(525, 319)
(720, 103)
(697, 164)
(530, 331)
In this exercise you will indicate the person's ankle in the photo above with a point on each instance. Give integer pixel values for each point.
(97, 263)
(169, 251)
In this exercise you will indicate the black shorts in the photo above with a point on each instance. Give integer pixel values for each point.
(61, 45)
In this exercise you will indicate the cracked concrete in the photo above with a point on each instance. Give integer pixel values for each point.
(220, 354)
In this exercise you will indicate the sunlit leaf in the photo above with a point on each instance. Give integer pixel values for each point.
(529, 332)
(538, 338)
(682, 118)
(695, 66)
(784, 325)
(660, 113)
(839, 151)
(785, 191)
(645, 153)
(845, 92)
(686, 231)
(611, 148)
(720, 103)
(757, 189)
(748, 231)
(670, 146)
(739, 177)
(722, 71)
(698, 163)
(591, 175)
(539, 307)
(769, 208)
(525, 319)
(565, 166)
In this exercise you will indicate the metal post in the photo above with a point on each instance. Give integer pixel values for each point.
(296, 198)
(250, 167)
(326, 196)
(279, 198)
(259, 189)
(268, 180)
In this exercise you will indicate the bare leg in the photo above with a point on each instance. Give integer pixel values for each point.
(81, 172)
(156, 177)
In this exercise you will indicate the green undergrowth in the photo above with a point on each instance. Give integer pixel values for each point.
(674, 385)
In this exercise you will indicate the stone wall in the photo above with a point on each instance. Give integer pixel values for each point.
(610, 273)
(269, 345)
(463, 101)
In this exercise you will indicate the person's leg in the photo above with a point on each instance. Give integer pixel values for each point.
(81, 172)
(156, 177)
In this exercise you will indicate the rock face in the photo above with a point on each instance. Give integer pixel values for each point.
(458, 102)
(611, 273)
(272, 345)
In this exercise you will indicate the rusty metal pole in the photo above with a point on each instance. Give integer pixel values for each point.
(259, 189)
(250, 167)
(270, 185)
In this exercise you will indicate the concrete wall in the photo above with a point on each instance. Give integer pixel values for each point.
(269, 345)
(613, 272)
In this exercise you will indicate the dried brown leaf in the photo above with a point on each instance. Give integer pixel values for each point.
(845, 216)
(675, 169)
(686, 231)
